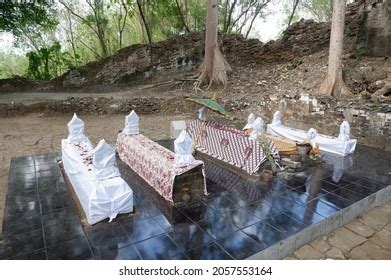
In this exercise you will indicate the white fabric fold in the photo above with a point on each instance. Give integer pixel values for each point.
(277, 119)
(344, 131)
(76, 129)
(183, 146)
(326, 143)
(100, 199)
(311, 136)
(110, 198)
(250, 119)
(132, 124)
(104, 161)
(257, 128)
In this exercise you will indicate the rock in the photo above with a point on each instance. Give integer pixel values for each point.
(358, 254)
(291, 164)
(345, 239)
(321, 244)
(388, 226)
(73, 78)
(372, 87)
(335, 254)
(374, 74)
(306, 252)
(376, 218)
(369, 251)
(290, 258)
(382, 239)
(359, 228)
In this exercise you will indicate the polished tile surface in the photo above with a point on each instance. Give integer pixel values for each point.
(211, 251)
(159, 247)
(236, 220)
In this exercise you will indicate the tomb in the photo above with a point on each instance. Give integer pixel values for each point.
(231, 148)
(178, 177)
(341, 145)
(95, 179)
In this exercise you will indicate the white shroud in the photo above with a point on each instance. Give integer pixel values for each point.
(342, 145)
(101, 194)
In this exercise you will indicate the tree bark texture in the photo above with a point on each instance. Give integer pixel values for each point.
(333, 83)
(214, 67)
(293, 12)
(140, 8)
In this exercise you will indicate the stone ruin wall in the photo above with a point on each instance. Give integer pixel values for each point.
(374, 37)
(140, 62)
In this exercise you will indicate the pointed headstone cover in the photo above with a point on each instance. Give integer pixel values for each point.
(202, 113)
(183, 146)
(104, 161)
(132, 124)
(250, 119)
(311, 136)
(277, 118)
(76, 129)
(344, 131)
(257, 127)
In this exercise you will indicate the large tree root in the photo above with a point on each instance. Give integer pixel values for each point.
(383, 93)
(334, 86)
(214, 72)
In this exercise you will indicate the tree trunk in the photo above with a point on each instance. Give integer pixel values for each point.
(229, 17)
(140, 8)
(121, 25)
(333, 84)
(182, 17)
(97, 8)
(214, 67)
(102, 41)
(225, 14)
(293, 12)
(72, 39)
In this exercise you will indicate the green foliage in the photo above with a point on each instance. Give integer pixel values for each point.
(288, 6)
(320, 10)
(173, 17)
(59, 35)
(17, 16)
(48, 63)
(12, 64)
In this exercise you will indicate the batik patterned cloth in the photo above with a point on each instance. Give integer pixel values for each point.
(230, 145)
(152, 162)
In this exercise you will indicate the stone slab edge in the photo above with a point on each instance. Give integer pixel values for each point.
(287, 246)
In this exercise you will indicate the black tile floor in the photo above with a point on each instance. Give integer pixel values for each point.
(235, 221)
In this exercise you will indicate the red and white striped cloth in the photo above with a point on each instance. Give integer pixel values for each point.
(230, 145)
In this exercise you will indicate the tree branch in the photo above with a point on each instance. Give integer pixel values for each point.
(79, 17)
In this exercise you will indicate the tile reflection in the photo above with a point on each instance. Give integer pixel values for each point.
(239, 245)
(238, 219)
(210, 251)
(157, 248)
